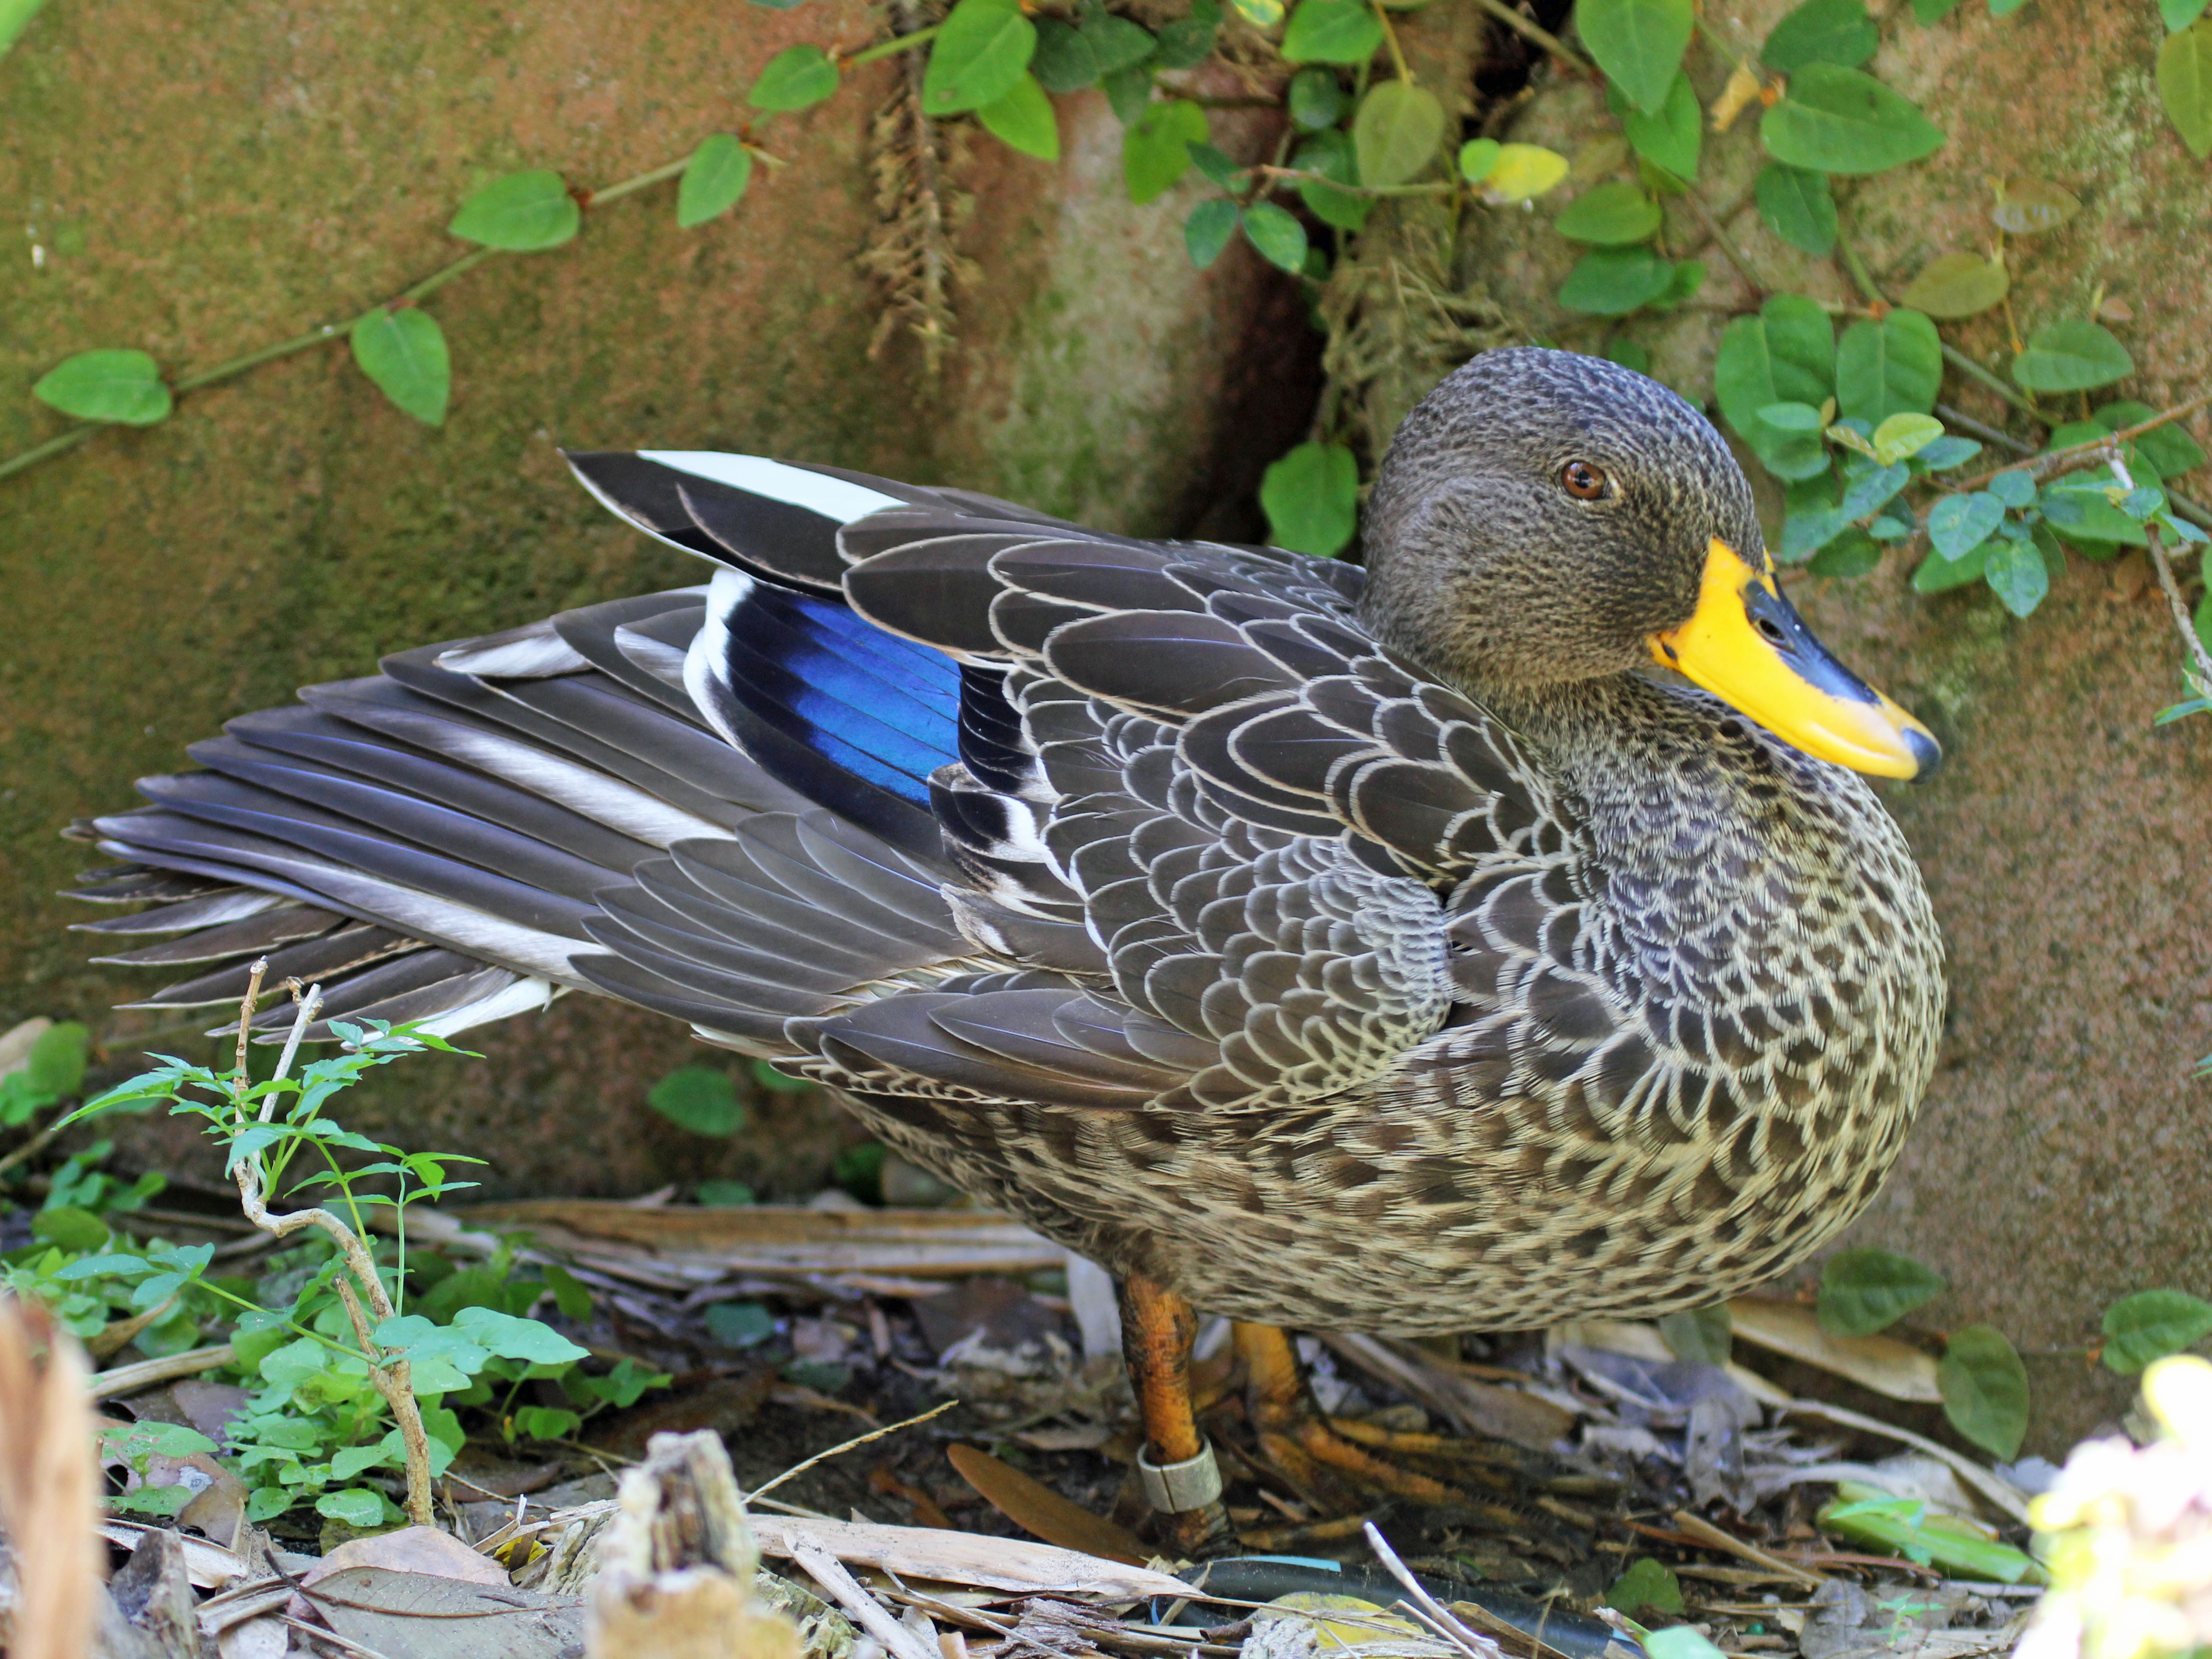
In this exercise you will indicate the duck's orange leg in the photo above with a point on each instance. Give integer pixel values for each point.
(1180, 1478)
(1298, 1440)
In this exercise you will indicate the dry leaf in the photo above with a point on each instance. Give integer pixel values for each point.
(1037, 1509)
(1882, 1363)
(964, 1558)
(1740, 93)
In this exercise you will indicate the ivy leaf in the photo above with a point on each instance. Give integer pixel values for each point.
(1023, 120)
(1903, 436)
(1117, 43)
(527, 1340)
(1638, 43)
(521, 213)
(1854, 553)
(1938, 574)
(713, 180)
(1958, 285)
(1958, 524)
(699, 1098)
(1894, 366)
(123, 387)
(1311, 497)
(2016, 573)
(2071, 355)
(1798, 205)
(1316, 100)
(1838, 120)
(1207, 230)
(2185, 85)
(2028, 207)
(1609, 215)
(1791, 416)
(1518, 173)
(1330, 154)
(1628, 354)
(797, 78)
(2013, 489)
(1647, 1583)
(1155, 148)
(2178, 14)
(356, 1506)
(1397, 132)
(1185, 42)
(1984, 1388)
(1862, 1291)
(1821, 32)
(2169, 448)
(2152, 1324)
(1670, 139)
(1332, 32)
(981, 53)
(1063, 61)
(1786, 353)
(1874, 488)
(1947, 451)
(1613, 281)
(1279, 237)
(1129, 93)
(403, 352)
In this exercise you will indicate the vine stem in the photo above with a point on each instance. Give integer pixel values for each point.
(391, 1378)
(1390, 39)
(1725, 243)
(2182, 620)
(2075, 455)
(1305, 176)
(897, 44)
(230, 368)
(1537, 34)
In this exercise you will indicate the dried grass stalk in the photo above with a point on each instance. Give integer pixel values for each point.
(49, 1485)
(918, 209)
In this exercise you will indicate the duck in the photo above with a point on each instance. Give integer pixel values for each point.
(1501, 932)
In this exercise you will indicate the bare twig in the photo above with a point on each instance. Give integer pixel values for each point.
(2075, 457)
(119, 1380)
(31, 1148)
(1426, 1606)
(800, 1469)
(2203, 673)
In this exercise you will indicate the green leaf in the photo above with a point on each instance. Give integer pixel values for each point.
(55, 1065)
(1332, 32)
(570, 1294)
(699, 1098)
(1063, 61)
(1186, 42)
(122, 387)
(1311, 497)
(1703, 1336)
(1397, 132)
(1628, 354)
(1678, 1641)
(1683, 284)
(2152, 1324)
(1023, 120)
(2028, 207)
(546, 1423)
(1279, 237)
(1838, 120)
(1117, 43)
(15, 15)
(1208, 229)
(1798, 205)
(1638, 43)
(2169, 448)
(2013, 489)
(1938, 574)
(2176, 14)
(2185, 85)
(356, 1506)
(980, 54)
(1874, 488)
(1478, 157)
(1316, 100)
(1129, 93)
(1155, 148)
(1947, 453)
(1646, 1583)
(1854, 553)
(723, 1195)
(1821, 32)
(349, 1461)
(1669, 138)
(798, 77)
(1984, 1386)
(1518, 173)
(739, 1324)
(1785, 354)
(713, 180)
(1958, 285)
(1894, 366)
(1613, 281)
(1609, 215)
(521, 213)
(72, 1228)
(1259, 14)
(2016, 573)
(511, 1338)
(1791, 417)
(1933, 11)
(1903, 436)
(1958, 524)
(1862, 1291)
(1330, 154)
(2071, 355)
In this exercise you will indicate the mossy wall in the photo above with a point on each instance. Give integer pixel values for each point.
(200, 183)
(2061, 1158)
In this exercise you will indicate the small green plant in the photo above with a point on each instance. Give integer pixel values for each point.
(361, 1358)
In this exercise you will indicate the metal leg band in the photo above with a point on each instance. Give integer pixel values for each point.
(1174, 1487)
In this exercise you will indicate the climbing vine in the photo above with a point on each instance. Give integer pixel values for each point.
(1839, 403)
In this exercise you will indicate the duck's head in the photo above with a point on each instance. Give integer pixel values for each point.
(1544, 517)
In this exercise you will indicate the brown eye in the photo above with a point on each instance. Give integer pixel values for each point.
(1583, 481)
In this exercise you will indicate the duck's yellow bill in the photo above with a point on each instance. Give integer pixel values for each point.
(1747, 645)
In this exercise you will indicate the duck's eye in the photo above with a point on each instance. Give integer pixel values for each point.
(1583, 481)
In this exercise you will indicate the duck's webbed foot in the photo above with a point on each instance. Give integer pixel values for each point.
(1314, 1450)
